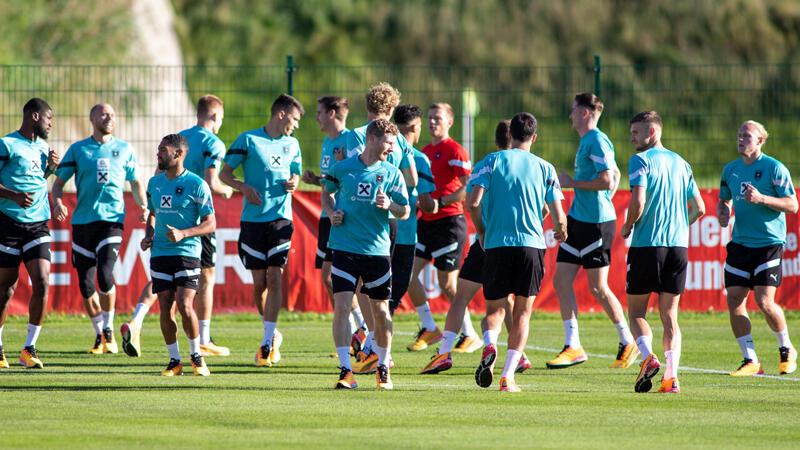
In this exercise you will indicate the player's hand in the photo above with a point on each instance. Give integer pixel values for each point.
(337, 217)
(723, 214)
(564, 179)
(227, 192)
(146, 243)
(382, 200)
(60, 211)
(339, 154)
(23, 199)
(752, 195)
(309, 177)
(251, 194)
(174, 234)
(625, 231)
(53, 158)
(291, 184)
(560, 233)
(143, 212)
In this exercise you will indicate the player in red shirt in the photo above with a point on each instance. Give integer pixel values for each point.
(441, 235)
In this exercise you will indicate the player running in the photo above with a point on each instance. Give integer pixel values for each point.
(513, 187)
(369, 190)
(101, 165)
(26, 161)
(442, 235)
(591, 225)
(180, 212)
(661, 186)
(271, 162)
(760, 190)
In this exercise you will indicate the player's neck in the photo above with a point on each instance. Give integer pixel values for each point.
(752, 157)
(26, 131)
(336, 131)
(410, 138)
(101, 138)
(372, 117)
(273, 129)
(368, 158)
(439, 139)
(174, 171)
(206, 124)
(522, 145)
(586, 128)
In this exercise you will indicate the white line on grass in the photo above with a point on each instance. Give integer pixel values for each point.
(598, 355)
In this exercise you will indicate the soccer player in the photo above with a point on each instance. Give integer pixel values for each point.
(381, 100)
(470, 281)
(332, 114)
(101, 165)
(271, 161)
(408, 119)
(441, 235)
(370, 189)
(181, 211)
(513, 187)
(760, 190)
(661, 186)
(26, 161)
(591, 226)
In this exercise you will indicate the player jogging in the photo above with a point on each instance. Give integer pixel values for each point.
(760, 190)
(661, 186)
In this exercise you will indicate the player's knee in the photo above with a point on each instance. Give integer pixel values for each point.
(40, 285)
(86, 282)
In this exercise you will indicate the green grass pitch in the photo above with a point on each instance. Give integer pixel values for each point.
(113, 401)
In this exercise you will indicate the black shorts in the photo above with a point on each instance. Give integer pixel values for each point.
(374, 271)
(265, 244)
(402, 267)
(88, 239)
(587, 244)
(323, 252)
(656, 269)
(442, 241)
(472, 269)
(22, 241)
(171, 272)
(512, 270)
(208, 257)
(749, 267)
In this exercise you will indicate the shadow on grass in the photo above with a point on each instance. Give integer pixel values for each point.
(83, 388)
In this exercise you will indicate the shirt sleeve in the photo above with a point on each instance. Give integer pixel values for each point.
(297, 162)
(213, 156)
(552, 191)
(202, 198)
(331, 182)
(149, 196)
(637, 171)
(475, 172)
(407, 153)
(355, 144)
(602, 155)
(425, 184)
(724, 189)
(66, 168)
(397, 189)
(482, 177)
(131, 170)
(237, 153)
(459, 162)
(691, 188)
(782, 181)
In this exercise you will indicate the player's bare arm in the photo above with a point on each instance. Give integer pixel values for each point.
(781, 204)
(57, 193)
(250, 193)
(696, 208)
(635, 209)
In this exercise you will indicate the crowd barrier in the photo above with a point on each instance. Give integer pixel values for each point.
(303, 289)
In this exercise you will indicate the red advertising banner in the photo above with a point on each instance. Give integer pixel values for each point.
(303, 289)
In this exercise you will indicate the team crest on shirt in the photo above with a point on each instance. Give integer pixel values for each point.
(379, 178)
(326, 161)
(438, 155)
(179, 190)
(286, 149)
(758, 174)
(115, 153)
(166, 201)
(364, 190)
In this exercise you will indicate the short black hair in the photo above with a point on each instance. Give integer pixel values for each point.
(338, 105)
(285, 102)
(523, 126)
(176, 141)
(589, 101)
(502, 135)
(648, 117)
(404, 114)
(35, 105)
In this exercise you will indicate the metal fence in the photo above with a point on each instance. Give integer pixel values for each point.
(702, 105)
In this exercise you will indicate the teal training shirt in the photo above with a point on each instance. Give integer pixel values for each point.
(669, 184)
(595, 154)
(518, 184)
(756, 225)
(266, 163)
(407, 229)
(365, 228)
(22, 166)
(401, 157)
(179, 203)
(476, 169)
(326, 158)
(206, 150)
(100, 170)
